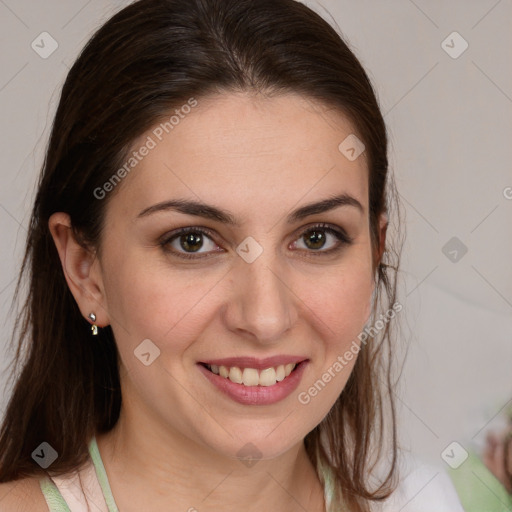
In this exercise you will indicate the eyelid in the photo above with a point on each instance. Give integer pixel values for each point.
(331, 228)
(170, 237)
(341, 235)
(343, 239)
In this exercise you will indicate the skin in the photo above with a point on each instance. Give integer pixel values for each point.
(176, 442)
(494, 457)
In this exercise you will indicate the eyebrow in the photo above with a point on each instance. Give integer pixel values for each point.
(199, 209)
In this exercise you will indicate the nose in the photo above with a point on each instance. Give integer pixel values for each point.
(262, 306)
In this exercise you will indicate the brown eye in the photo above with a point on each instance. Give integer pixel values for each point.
(190, 242)
(322, 239)
(315, 239)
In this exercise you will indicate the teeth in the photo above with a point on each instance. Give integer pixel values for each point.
(288, 369)
(267, 377)
(251, 376)
(280, 373)
(235, 375)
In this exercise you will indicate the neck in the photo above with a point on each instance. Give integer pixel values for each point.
(151, 469)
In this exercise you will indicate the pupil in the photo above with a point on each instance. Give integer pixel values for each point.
(315, 240)
(191, 242)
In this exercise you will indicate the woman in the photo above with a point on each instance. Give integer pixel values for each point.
(211, 293)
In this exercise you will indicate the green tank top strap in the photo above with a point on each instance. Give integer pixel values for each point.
(102, 476)
(328, 483)
(54, 498)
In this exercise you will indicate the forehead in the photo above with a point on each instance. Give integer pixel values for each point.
(252, 151)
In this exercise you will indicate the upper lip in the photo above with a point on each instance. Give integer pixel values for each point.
(253, 362)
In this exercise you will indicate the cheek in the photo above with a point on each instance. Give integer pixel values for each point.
(341, 301)
(340, 309)
(149, 301)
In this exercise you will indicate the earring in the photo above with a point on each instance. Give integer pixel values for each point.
(94, 327)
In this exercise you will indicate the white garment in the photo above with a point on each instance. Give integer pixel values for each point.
(422, 488)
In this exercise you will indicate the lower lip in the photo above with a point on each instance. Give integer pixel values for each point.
(257, 395)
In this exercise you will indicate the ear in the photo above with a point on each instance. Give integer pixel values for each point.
(383, 226)
(81, 268)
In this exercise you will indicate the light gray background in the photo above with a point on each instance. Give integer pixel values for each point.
(450, 123)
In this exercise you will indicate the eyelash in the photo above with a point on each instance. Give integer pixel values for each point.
(342, 237)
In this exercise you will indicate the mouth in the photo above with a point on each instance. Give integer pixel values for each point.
(252, 376)
(249, 381)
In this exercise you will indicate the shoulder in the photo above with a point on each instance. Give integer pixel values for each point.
(422, 488)
(23, 495)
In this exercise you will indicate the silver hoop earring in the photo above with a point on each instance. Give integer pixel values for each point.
(94, 327)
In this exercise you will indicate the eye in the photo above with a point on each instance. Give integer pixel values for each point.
(322, 239)
(187, 242)
(197, 242)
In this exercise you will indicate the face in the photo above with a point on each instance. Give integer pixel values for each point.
(257, 284)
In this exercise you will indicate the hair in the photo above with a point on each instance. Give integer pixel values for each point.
(149, 58)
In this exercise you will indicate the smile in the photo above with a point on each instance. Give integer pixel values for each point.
(249, 381)
(251, 376)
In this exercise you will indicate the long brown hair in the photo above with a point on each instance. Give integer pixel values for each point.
(148, 59)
